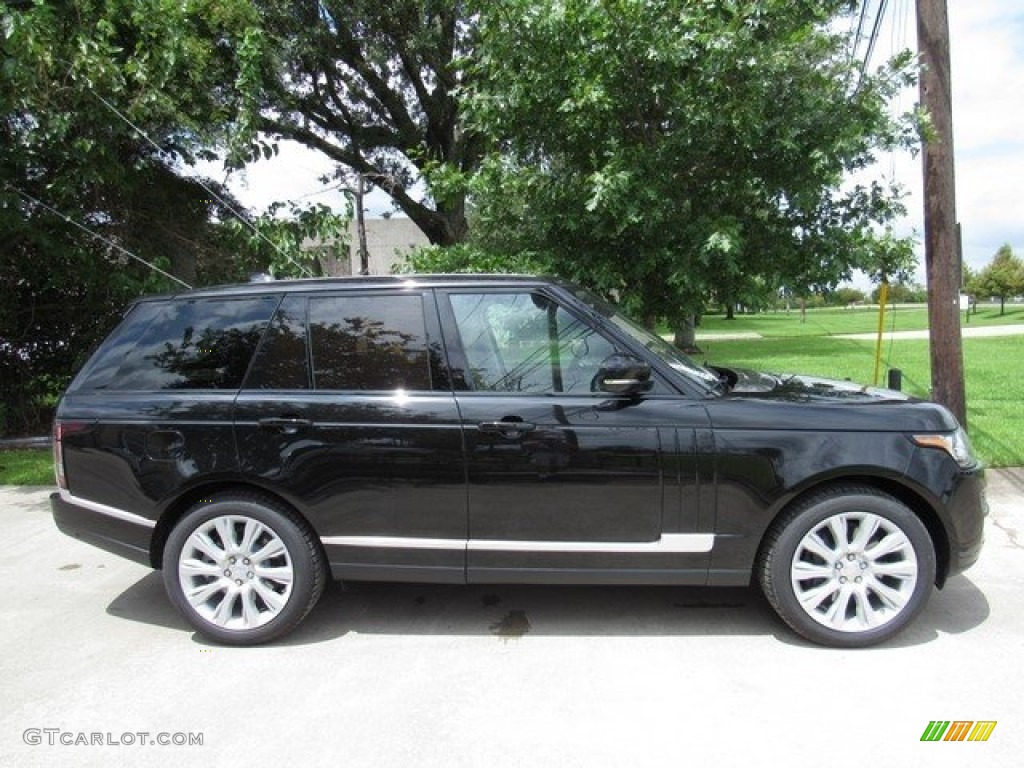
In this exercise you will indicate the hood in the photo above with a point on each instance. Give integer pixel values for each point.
(800, 387)
(773, 401)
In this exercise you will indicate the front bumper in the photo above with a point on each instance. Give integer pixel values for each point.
(967, 508)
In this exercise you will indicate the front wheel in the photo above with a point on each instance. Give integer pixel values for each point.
(242, 569)
(849, 566)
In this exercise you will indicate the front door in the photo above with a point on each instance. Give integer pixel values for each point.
(566, 483)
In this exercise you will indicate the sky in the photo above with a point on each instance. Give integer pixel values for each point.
(987, 57)
(987, 65)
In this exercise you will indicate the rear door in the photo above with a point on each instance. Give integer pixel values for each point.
(348, 411)
(153, 407)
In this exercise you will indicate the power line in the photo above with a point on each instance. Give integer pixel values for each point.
(97, 235)
(316, 192)
(860, 28)
(874, 36)
(200, 182)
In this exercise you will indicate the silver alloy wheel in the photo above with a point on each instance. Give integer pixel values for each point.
(236, 572)
(854, 571)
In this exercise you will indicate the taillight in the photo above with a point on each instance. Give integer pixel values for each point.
(61, 429)
(58, 455)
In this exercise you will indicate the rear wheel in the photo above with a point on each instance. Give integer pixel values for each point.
(849, 566)
(243, 569)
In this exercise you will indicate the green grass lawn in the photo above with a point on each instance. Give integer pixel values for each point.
(28, 467)
(829, 322)
(994, 371)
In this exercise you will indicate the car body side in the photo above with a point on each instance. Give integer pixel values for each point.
(398, 486)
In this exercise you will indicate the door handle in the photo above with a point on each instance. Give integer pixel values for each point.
(510, 429)
(285, 425)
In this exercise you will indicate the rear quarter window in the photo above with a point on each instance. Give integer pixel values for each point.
(182, 344)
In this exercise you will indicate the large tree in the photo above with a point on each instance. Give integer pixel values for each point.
(372, 84)
(81, 188)
(664, 150)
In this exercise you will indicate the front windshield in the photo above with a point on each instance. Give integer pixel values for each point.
(668, 353)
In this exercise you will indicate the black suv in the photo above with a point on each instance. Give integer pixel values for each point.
(253, 440)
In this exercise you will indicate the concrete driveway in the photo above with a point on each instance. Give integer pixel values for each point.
(95, 666)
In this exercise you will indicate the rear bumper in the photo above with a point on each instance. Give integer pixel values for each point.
(116, 531)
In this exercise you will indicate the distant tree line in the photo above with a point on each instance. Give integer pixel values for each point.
(1001, 279)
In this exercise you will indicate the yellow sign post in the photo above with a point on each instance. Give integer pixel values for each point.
(883, 299)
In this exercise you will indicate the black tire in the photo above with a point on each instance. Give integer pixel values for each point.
(237, 599)
(855, 592)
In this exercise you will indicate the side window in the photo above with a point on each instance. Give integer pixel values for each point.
(524, 342)
(101, 370)
(369, 342)
(282, 361)
(196, 344)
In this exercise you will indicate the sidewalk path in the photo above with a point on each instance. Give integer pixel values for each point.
(965, 331)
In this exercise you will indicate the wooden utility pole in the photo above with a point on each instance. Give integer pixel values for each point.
(364, 254)
(941, 247)
(357, 194)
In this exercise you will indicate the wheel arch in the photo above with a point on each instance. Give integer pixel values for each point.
(908, 496)
(177, 509)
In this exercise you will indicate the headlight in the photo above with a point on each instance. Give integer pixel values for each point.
(955, 444)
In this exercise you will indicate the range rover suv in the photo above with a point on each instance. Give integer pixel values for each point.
(254, 440)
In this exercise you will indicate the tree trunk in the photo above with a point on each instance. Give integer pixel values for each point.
(730, 311)
(445, 226)
(685, 336)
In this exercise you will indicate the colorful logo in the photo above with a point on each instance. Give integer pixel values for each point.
(959, 730)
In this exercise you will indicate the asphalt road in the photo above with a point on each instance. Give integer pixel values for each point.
(407, 675)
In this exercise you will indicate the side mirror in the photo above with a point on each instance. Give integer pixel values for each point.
(622, 375)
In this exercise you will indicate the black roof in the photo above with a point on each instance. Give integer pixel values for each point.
(362, 281)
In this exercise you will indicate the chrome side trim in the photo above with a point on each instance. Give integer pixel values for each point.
(392, 542)
(103, 509)
(669, 543)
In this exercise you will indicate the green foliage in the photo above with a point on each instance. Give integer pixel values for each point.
(75, 79)
(845, 296)
(903, 293)
(1002, 278)
(667, 150)
(434, 259)
(888, 258)
(303, 243)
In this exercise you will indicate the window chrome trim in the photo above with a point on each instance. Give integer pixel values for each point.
(669, 543)
(103, 509)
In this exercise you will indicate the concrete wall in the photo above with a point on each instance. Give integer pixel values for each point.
(387, 241)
